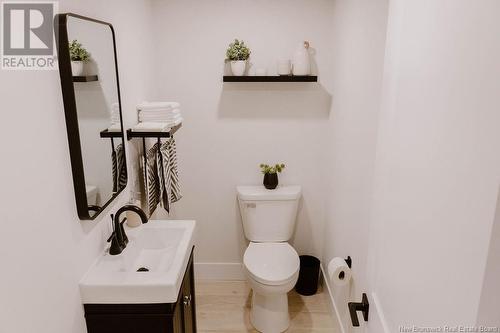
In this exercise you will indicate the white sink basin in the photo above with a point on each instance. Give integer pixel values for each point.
(161, 246)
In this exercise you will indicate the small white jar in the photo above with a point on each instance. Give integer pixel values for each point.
(284, 67)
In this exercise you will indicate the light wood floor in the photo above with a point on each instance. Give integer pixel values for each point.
(224, 307)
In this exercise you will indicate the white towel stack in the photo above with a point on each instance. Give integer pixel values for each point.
(115, 118)
(158, 116)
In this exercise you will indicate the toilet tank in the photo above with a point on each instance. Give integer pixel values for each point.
(268, 215)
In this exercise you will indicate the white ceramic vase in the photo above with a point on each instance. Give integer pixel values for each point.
(301, 60)
(77, 68)
(238, 67)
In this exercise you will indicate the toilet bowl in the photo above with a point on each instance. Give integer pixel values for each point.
(272, 269)
(271, 264)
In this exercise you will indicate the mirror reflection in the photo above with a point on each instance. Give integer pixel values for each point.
(95, 84)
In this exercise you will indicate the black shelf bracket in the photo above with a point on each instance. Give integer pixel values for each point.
(354, 307)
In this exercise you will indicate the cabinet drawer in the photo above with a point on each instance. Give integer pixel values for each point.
(129, 323)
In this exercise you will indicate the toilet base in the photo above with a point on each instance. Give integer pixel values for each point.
(269, 313)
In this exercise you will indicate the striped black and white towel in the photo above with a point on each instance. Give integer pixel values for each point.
(151, 179)
(114, 170)
(163, 194)
(171, 187)
(121, 167)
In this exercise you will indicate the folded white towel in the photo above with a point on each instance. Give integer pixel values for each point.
(151, 127)
(157, 105)
(176, 122)
(146, 118)
(115, 127)
(154, 126)
(161, 111)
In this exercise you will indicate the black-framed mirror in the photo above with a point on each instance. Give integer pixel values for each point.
(92, 106)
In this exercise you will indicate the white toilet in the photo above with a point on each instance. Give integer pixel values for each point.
(271, 264)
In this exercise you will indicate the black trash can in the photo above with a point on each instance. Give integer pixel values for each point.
(307, 284)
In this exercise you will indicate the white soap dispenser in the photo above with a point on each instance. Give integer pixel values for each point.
(302, 60)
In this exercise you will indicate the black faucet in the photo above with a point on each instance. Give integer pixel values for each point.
(119, 238)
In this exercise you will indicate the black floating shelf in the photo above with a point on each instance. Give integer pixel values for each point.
(87, 78)
(281, 78)
(108, 134)
(131, 134)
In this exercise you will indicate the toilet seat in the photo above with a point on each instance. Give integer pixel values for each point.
(271, 263)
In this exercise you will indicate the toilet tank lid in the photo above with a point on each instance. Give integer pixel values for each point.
(260, 193)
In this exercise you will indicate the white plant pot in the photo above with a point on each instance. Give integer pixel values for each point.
(238, 67)
(77, 68)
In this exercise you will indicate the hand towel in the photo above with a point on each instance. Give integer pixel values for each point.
(171, 186)
(114, 170)
(151, 180)
(121, 167)
(163, 194)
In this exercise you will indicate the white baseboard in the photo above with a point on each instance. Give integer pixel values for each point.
(332, 300)
(219, 271)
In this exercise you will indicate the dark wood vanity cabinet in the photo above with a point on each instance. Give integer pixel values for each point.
(179, 317)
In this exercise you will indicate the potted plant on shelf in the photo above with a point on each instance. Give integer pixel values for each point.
(271, 175)
(78, 55)
(238, 54)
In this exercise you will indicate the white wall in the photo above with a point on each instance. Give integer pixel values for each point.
(230, 129)
(489, 307)
(437, 167)
(44, 248)
(359, 29)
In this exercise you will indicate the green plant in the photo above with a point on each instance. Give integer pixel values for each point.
(267, 169)
(237, 51)
(77, 52)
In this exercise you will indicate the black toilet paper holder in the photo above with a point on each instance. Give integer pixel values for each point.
(362, 306)
(348, 261)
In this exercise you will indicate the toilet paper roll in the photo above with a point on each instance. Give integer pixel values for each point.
(338, 272)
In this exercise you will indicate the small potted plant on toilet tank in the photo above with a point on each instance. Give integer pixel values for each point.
(237, 54)
(79, 55)
(271, 175)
